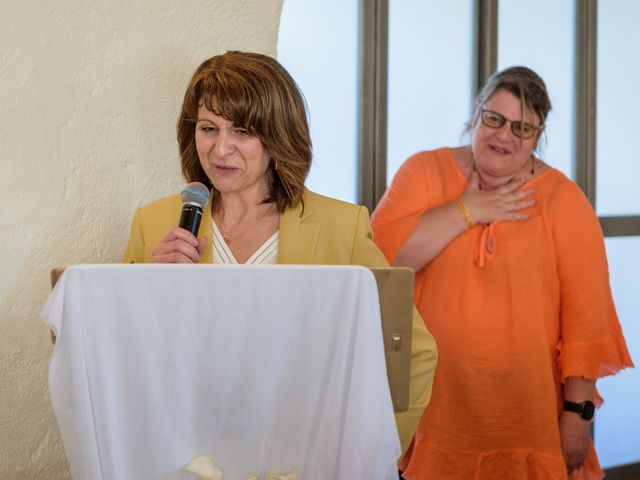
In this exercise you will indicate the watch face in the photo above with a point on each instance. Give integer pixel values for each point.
(588, 408)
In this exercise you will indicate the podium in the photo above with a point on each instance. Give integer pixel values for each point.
(259, 368)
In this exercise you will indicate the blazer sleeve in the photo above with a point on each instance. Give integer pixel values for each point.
(135, 247)
(151, 223)
(424, 353)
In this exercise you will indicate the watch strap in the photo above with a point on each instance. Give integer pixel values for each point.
(584, 409)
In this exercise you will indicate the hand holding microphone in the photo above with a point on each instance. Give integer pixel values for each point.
(180, 245)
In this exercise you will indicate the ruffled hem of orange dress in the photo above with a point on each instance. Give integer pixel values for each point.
(443, 464)
(592, 360)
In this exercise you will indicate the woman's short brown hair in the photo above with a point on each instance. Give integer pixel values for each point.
(522, 82)
(254, 92)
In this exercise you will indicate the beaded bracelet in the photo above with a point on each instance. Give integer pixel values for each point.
(465, 213)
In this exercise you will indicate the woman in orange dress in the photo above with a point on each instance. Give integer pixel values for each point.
(512, 281)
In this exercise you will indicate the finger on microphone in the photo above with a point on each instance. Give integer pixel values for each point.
(202, 244)
(183, 234)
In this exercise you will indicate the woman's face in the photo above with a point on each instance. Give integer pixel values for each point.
(234, 161)
(500, 154)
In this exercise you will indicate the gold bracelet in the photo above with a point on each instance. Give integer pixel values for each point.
(465, 213)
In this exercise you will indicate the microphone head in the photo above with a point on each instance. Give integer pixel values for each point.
(195, 193)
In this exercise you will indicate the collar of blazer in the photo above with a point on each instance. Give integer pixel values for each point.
(298, 233)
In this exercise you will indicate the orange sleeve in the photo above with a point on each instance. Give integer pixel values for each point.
(591, 342)
(401, 207)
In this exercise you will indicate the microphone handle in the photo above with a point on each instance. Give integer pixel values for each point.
(190, 218)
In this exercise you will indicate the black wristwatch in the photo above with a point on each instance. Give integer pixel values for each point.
(584, 409)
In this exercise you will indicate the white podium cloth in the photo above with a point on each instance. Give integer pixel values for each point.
(256, 367)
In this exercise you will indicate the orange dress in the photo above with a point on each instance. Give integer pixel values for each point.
(516, 308)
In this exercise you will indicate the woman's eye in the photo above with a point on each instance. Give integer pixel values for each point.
(207, 129)
(524, 128)
(240, 131)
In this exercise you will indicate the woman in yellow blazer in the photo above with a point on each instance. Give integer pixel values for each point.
(243, 133)
(325, 232)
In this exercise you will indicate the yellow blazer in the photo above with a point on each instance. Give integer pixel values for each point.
(319, 231)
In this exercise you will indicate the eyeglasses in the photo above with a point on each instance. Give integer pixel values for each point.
(520, 129)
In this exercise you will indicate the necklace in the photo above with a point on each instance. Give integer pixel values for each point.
(257, 224)
(226, 238)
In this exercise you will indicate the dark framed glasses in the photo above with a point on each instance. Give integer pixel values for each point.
(520, 129)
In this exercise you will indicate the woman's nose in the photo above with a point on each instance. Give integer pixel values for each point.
(224, 144)
(505, 130)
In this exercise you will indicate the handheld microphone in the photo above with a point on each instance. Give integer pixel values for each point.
(195, 197)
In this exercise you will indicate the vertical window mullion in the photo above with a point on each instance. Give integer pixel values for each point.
(373, 100)
(585, 97)
(485, 56)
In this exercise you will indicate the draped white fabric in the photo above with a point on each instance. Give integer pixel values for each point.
(256, 367)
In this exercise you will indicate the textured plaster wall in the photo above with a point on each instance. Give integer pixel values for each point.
(89, 96)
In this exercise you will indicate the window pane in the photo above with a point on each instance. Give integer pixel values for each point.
(325, 66)
(533, 38)
(618, 103)
(618, 420)
(429, 76)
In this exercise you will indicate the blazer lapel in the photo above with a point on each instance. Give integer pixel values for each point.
(298, 233)
(206, 229)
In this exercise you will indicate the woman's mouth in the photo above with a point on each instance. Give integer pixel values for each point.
(225, 168)
(499, 150)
